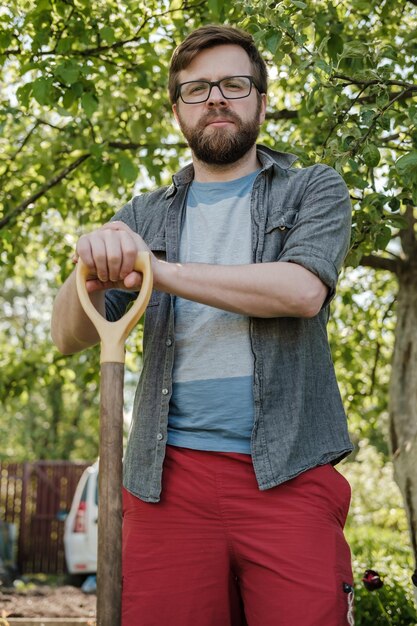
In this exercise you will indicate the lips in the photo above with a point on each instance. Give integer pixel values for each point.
(219, 123)
(218, 120)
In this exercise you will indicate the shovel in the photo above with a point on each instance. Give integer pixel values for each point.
(112, 358)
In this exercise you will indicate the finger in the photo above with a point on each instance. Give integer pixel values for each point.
(99, 254)
(116, 225)
(83, 250)
(114, 254)
(129, 253)
(96, 285)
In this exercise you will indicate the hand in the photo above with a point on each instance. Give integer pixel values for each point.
(110, 253)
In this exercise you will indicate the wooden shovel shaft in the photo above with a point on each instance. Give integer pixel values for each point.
(109, 567)
(112, 335)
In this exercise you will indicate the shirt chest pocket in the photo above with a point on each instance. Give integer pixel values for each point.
(278, 226)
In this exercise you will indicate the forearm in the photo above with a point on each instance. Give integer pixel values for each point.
(71, 329)
(257, 290)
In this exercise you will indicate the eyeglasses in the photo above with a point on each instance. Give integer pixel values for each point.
(231, 88)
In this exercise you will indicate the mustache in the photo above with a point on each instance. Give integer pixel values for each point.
(213, 116)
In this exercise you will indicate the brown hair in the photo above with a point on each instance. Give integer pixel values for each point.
(209, 37)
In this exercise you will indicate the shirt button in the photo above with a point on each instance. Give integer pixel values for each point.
(164, 391)
(168, 342)
(159, 436)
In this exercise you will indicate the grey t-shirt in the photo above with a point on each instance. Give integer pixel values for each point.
(211, 406)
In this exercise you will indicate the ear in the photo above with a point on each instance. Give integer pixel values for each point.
(175, 112)
(262, 111)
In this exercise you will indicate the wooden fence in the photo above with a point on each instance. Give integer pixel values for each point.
(32, 496)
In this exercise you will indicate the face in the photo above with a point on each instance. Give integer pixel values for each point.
(220, 131)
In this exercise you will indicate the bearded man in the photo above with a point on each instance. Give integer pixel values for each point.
(233, 510)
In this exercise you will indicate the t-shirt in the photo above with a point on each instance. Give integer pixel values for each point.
(211, 406)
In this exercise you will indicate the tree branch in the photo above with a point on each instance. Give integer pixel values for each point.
(42, 191)
(372, 125)
(283, 114)
(130, 145)
(19, 149)
(121, 43)
(380, 263)
(376, 81)
(378, 347)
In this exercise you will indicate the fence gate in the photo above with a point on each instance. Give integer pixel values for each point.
(31, 496)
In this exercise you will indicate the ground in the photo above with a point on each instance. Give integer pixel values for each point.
(35, 599)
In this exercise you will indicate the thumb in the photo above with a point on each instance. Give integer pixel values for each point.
(133, 280)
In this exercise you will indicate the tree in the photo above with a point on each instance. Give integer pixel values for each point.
(85, 116)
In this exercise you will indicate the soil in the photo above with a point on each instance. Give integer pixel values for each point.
(41, 600)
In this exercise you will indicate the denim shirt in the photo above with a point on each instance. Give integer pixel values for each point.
(299, 215)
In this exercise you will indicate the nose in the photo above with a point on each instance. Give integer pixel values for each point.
(216, 97)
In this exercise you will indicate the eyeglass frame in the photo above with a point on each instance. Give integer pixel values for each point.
(216, 83)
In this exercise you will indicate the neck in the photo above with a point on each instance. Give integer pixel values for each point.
(208, 173)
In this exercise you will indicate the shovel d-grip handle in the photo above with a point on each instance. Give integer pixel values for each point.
(113, 334)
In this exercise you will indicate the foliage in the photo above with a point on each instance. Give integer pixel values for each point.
(346, 78)
(361, 331)
(85, 122)
(378, 536)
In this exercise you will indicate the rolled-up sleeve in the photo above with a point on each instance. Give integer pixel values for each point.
(319, 239)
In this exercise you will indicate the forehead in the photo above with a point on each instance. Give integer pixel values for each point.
(215, 63)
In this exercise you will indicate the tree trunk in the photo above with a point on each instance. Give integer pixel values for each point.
(403, 398)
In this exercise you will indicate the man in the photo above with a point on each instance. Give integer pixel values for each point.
(229, 487)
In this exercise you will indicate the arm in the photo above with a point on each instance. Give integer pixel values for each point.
(71, 329)
(257, 290)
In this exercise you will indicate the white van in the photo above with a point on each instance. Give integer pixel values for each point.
(80, 533)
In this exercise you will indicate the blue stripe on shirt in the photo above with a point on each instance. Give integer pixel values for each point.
(216, 414)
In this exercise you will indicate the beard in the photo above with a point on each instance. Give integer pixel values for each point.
(222, 146)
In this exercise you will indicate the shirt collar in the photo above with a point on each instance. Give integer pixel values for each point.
(267, 157)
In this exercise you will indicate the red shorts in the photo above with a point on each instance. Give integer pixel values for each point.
(217, 551)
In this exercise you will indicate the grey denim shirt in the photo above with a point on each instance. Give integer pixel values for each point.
(299, 215)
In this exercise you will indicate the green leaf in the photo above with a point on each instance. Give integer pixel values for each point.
(354, 49)
(41, 89)
(89, 103)
(383, 238)
(5, 40)
(299, 4)
(135, 130)
(127, 169)
(107, 33)
(371, 155)
(214, 7)
(24, 93)
(68, 72)
(273, 41)
(68, 99)
(407, 163)
(64, 45)
(102, 175)
(97, 150)
(335, 45)
(399, 221)
(412, 114)
(321, 64)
